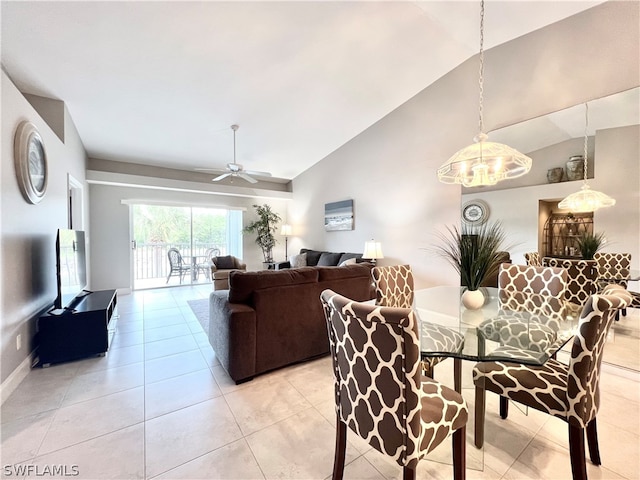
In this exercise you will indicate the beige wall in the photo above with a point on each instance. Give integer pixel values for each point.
(389, 169)
(27, 254)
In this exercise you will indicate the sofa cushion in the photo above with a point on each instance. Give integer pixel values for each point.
(348, 261)
(312, 256)
(329, 259)
(225, 262)
(348, 271)
(347, 256)
(298, 261)
(243, 284)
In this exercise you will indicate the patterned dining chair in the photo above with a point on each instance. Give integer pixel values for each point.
(533, 259)
(569, 392)
(613, 268)
(582, 276)
(380, 392)
(394, 288)
(531, 308)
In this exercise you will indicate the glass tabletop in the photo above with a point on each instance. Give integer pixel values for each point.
(522, 328)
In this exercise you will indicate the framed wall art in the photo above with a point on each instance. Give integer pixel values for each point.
(338, 216)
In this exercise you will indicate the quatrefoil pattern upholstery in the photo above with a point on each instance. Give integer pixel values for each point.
(569, 391)
(533, 259)
(531, 307)
(394, 288)
(613, 268)
(380, 392)
(581, 278)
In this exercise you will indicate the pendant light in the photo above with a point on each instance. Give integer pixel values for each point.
(586, 200)
(483, 163)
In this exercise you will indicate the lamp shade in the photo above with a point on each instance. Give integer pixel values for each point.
(484, 163)
(285, 230)
(372, 250)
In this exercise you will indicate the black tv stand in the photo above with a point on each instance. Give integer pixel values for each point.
(83, 329)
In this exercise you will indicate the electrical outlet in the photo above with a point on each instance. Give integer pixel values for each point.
(19, 341)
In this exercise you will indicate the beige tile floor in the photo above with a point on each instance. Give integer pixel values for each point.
(159, 405)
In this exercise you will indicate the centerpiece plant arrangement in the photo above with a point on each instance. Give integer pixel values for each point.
(475, 252)
(264, 228)
(590, 243)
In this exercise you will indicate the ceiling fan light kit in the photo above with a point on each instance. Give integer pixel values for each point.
(483, 163)
(235, 169)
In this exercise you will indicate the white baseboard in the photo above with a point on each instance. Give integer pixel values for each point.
(123, 291)
(11, 383)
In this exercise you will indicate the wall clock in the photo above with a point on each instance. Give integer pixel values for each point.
(475, 212)
(31, 162)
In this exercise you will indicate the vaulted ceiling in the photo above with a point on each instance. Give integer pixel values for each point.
(160, 83)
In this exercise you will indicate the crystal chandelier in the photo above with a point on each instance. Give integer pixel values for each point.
(586, 200)
(483, 163)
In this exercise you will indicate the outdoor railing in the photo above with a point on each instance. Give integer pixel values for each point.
(151, 259)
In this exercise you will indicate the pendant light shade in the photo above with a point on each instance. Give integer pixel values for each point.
(483, 163)
(586, 200)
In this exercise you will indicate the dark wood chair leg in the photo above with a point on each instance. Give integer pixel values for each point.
(504, 407)
(478, 432)
(341, 446)
(459, 453)
(457, 374)
(576, 450)
(592, 441)
(408, 473)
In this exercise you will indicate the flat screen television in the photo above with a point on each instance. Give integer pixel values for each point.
(71, 266)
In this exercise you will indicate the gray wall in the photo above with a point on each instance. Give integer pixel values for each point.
(389, 170)
(27, 255)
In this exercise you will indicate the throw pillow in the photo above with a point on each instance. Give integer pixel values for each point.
(348, 261)
(225, 263)
(298, 261)
(328, 259)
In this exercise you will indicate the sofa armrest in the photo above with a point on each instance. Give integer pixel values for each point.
(232, 334)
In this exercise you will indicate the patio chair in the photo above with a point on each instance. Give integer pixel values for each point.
(205, 266)
(176, 265)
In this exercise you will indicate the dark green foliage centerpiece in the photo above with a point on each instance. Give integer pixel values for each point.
(589, 243)
(264, 227)
(474, 251)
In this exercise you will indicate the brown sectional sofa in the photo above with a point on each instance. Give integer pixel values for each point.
(272, 318)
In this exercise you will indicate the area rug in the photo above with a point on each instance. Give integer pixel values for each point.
(200, 309)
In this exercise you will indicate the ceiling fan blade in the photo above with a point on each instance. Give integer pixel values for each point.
(247, 177)
(209, 170)
(259, 174)
(220, 177)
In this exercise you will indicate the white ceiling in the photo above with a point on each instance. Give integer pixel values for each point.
(160, 83)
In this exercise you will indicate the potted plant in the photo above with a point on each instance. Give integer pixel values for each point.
(264, 227)
(475, 252)
(589, 243)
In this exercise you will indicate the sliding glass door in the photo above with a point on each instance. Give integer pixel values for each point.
(172, 244)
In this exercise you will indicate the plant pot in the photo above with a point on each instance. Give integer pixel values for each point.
(575, 168)
(473, 299)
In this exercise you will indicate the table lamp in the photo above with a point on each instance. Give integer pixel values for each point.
(372, 251)
(286, 231)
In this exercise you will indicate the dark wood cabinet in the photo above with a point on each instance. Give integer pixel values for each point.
(85, 329)
(561, 233)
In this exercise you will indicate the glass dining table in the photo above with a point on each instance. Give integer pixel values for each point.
(529, 334)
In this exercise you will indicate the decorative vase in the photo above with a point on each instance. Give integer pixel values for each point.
(554, 175)
(575, 168)
(472, 299)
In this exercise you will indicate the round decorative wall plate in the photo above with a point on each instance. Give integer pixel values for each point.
(31, 162)
(475, 212)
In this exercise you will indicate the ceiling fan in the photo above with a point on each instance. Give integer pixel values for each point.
(235, 169)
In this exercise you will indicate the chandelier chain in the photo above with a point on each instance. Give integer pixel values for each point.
(481, 72)
(586, 136)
